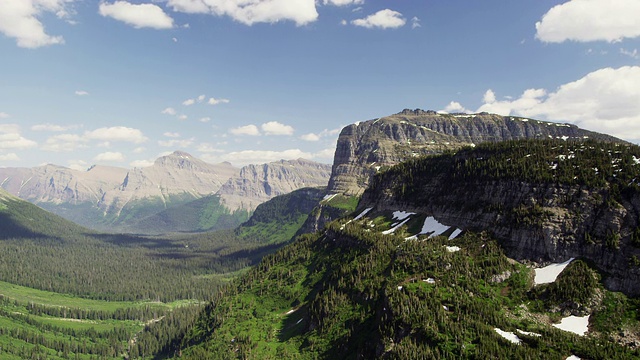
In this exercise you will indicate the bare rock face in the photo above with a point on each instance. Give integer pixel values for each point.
(256, 184)
(365, 148)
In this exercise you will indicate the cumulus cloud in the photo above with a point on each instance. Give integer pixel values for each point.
(81, 93)
(455, 107)
(189, 102)
(172, 134)
(606, 100)
(51, 127)
(20, 19)
(79, 165)
(64, 143)
(117, 133)
(183, 117)
(342, 2)
(141, 163)
(137, 15)
(208, 148)
(264, 156)
(176, 143)
(109, 156)
(205, 119)
(383, 19)
(310, 137)
(9, 157)
(276, 128)
(10, 138)
(590, 20)
(4, 115)
(214, 101)
(251, 130)
(250, 12)
(169, 111)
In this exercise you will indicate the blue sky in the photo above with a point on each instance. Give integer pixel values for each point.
(120, 83)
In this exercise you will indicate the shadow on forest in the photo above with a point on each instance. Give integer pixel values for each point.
(10, 229)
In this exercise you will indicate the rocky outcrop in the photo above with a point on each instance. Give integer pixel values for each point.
(542, 222)
(367, 147)
(256, 184)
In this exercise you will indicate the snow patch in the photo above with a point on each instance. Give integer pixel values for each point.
(393, 229)
(549, 274)
(362, 214)
(452, 248)
(575, 324)
(329, 197)
(455, 234)
(573, 357)
(431, 225)
(636, 160)
(509, 336)
(527, 333)
(429, 280)
(401, 215)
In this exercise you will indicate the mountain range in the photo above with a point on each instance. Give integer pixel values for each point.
(133, 200)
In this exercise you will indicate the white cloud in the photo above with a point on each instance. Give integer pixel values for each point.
(64, 143)
(260, 157)
(172, 135)
(48, 127)
(205, 119)
(79, 165)
(631, 53)
(325, 155)
(169, 111)
(276, 128)
(137, 15)
(19, 19)
(251, 130)
(9, 157)
(455, 107)
(214, 101)
(250, 12)
(176, 143)
(342, 2)
(415, 22)
(10, 138)
(189, 102)
(117, 133)
(183, 117)
(529, 99)
(590, 20)
(384, 19)
(208, 148)
(310, 137)
(201, 98)
(141, 163)
(81, 93)
(606, 100)
(4, 115)
(109, 156)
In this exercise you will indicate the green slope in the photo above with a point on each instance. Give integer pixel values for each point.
(204, 214)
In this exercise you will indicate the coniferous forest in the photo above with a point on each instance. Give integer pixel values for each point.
(348, 291)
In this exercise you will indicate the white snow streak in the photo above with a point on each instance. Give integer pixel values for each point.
(549, 274)
(574, 324)
(509, 336)
(362, 214)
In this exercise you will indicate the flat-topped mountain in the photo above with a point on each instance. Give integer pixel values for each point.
(366, 147)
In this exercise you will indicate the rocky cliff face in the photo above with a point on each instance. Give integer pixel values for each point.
(256, 184)
(577, 200)
(367, 147)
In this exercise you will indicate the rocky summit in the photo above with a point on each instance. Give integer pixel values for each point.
(365, 148)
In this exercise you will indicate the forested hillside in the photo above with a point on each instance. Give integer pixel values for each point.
(392, 282)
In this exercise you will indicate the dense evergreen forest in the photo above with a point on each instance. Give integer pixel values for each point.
(349, 291)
